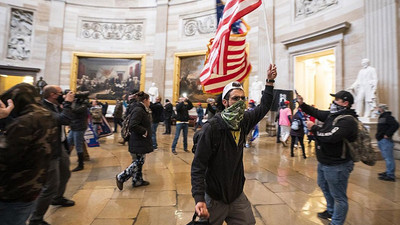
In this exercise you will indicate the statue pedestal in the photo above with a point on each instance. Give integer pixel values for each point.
(372, 125)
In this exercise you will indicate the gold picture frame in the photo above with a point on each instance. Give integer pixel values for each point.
(187, 67)
(107, 76)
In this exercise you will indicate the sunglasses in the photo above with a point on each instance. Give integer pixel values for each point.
(236, 84)
(237, 98)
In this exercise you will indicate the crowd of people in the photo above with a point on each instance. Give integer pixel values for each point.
(35, 129)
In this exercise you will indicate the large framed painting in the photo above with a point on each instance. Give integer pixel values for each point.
(107, 76)
(188, 66)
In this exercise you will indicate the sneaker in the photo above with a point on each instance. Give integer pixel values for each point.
(186, 150)
(141, 183)
(382, 174)
(325, 215)
(387, 178)
(174, 152)
(63, 202)
(120, 184)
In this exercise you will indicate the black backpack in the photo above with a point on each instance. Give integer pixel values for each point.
(215, 134)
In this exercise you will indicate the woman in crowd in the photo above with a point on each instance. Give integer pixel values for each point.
(139, 142)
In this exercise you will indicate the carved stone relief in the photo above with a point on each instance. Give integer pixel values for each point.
(21, 28)
(199, 25)
(111, 30)
(306, 8)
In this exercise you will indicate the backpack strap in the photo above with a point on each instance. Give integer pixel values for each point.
(346, 143)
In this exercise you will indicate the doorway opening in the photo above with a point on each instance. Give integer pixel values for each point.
(8, 81)
(314, 77)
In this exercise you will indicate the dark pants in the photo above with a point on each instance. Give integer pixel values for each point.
(294, 140)
(237, 212)
(64, 172)
(154, 134)
(167, 123)
(49, 190)
(117, 121)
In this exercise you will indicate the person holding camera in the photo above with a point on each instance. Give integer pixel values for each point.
(79, 124)
(182, 122)
(58, 172)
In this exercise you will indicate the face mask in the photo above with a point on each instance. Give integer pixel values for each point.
(234, 114)
(60, 99)
(336, 108)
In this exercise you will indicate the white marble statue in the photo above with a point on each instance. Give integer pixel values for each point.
(256, 88)
(364, 89)
(153, 92)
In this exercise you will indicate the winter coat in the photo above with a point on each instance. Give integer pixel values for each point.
(61, 117)
(217, 168)
(182, 111)
(387, 125)
(329, 137)
(139, 124)
(157, 111)
(168, 110)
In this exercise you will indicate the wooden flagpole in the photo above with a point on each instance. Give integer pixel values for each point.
(266, 28)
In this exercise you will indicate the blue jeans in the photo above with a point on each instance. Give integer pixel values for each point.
(386, 147)
(154, 135)
(179, 127)
(15, 213)
(333, 182)
(76, 138)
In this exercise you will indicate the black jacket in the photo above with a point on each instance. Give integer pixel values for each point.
(168, 110)
(218, 169)
(156, 112)
(138, 125)
(79, 121)
(329, 138)
(387, 125)
(61, 117)
(182, 110)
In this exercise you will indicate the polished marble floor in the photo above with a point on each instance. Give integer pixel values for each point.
(282, 189)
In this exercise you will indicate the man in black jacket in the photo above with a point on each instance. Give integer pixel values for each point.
(168, 111)
(156, 114)
(387, 125)
(182, 122)
(217, 168)
(334, 167)
(58, 173)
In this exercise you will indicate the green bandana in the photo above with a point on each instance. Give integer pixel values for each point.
(234, 114)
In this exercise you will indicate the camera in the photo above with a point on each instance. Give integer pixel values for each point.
(82, 94)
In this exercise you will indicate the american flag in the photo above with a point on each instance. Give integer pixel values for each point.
(226, 58)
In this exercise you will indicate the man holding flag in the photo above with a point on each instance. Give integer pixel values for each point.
(217, 168)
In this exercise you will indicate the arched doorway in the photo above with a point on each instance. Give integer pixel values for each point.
(314, 77)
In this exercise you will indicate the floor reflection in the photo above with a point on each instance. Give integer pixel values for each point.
(282, 189)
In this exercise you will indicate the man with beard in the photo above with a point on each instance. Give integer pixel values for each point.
(219, 162)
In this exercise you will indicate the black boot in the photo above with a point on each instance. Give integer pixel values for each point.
(80, 163)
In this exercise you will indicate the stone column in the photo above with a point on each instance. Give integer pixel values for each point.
(160, 49)
(54, 42)
(382, 48)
